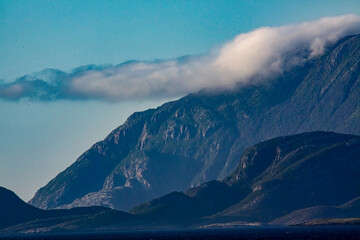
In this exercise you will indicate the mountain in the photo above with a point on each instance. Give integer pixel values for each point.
(302, 176)
(186, 208)
(350, 209)
(202, 136)
(16, 216)
(13, 210)
(297, 179)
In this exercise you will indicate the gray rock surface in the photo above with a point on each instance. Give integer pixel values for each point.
(285, 180)
(201, 137)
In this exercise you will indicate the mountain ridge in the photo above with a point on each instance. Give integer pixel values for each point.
(278, 181)
(15, 211)
(290, 180)
(149, 154)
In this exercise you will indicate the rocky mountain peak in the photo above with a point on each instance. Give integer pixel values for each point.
(202, 136)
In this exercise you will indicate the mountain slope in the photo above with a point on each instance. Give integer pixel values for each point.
(14, 211)
(189, 207)
(285, 180)
(301, 171)
(275, 178)
(350, 209)
(151, 153)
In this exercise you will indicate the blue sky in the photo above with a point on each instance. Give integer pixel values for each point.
(39, 139)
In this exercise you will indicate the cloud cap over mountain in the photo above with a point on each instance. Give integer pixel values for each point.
(261, 53)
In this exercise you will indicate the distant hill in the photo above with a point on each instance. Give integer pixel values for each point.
(15, 211)
(201, 137)
(348, 210)
(307, 173)
(297, 179)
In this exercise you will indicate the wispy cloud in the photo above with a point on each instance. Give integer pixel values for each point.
(261, 53)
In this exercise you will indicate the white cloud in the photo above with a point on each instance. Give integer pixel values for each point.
(263, 52)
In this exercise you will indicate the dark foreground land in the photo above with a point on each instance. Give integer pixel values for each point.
(322, 232)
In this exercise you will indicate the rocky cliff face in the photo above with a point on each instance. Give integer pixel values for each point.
(295, 172)
(304, 177)
(202, 136)
(286, 180)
